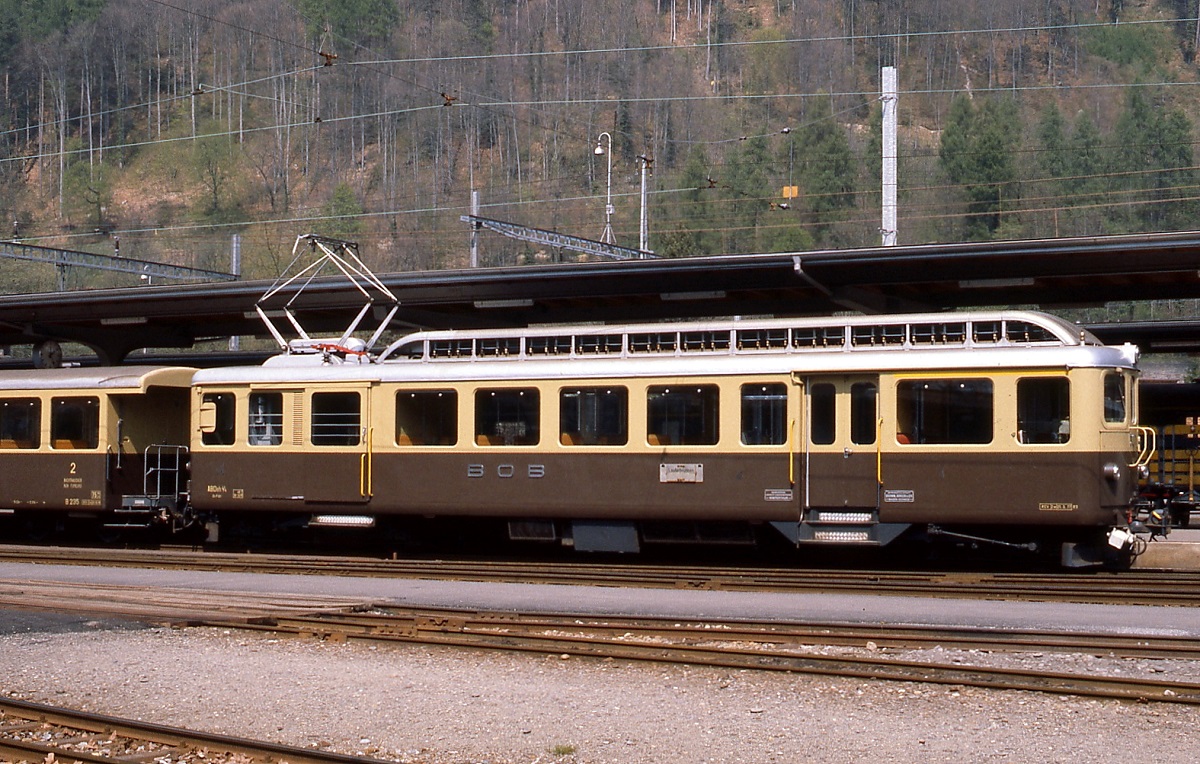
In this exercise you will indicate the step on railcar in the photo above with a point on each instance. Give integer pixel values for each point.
(1013, 428)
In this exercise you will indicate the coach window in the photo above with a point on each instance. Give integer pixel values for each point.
(944, 411)
(266, 419)
(336, 419)
(508, 417)
(20, 423)
(764, 414)
(426, 418)
(74, 422)
(1043, 410)
(822, 399)
(593, 416)
(682, 415)
(863, 415)
(1114, 398)
(220, 431)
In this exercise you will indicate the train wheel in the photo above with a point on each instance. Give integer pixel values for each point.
(108, 536)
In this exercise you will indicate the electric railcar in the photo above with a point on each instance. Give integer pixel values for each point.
(1011, 427)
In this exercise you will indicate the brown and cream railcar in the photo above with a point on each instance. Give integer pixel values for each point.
(1002, 425)
(79, 444)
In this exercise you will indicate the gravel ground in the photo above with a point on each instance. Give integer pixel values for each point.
(447, 706)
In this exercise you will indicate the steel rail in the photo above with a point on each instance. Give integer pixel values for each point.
(390, 620)
(174, 738)
(1156, 588)
(445, 630)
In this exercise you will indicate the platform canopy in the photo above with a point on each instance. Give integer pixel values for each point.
(1049, 274)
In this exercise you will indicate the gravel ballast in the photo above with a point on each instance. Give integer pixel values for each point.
(449, 706)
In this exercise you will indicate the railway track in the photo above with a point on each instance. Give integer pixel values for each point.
(865, 651)
(41, 734)
(1174, 588)
(767, 646)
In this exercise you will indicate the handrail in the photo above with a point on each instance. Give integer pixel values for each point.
(792, 454)
(1147, 445)
(365, 465)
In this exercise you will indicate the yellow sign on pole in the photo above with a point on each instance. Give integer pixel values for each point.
(791, 192)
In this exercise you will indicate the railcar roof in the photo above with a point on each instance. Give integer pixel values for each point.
(123, 378)
(1064, 331)
(852, 344)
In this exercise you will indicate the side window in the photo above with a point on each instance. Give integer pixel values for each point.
(74, 422)
(266, 419)
(823, 414)
(593, 416)
(426, 418)
(682, 415)
(224, 410)
(508, 417)
(1043, 410)
(764, 414)
(944, 411)
(1114, 398)
(863, 416)
(336, 419)
(20, 423)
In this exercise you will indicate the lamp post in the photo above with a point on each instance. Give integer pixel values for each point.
(607, 237)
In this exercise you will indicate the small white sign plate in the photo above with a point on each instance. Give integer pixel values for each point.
(681, 473)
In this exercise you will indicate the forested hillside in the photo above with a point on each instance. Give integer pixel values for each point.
(173, 125)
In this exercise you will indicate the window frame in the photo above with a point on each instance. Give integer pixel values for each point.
(29, 436)
(920, 412)
(440, 433)
(335, 433)
(686, 405)
(770, 404)
(88, 430)
(611, 401)
(521, 428)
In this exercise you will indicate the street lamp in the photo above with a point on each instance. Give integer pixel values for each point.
(607, 237)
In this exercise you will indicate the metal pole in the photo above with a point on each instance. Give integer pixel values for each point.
(644, 237)
(607, 237)
(475, 230)
(235, 267)
(889, 97)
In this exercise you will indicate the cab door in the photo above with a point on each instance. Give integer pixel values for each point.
(339, 458)
(841, 430)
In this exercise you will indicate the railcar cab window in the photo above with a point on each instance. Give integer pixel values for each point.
(218, 423)
(682, 415)
(1043, 410)
(20, 423)
(266, 419)
(593, 416)
(1114, 398)
(74, 422)
(764, 414)
(507, 417)
(944, 411)
(426, 418)
(336, 419)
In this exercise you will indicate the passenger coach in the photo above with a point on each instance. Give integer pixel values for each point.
(1010, 427)
(88, 445)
